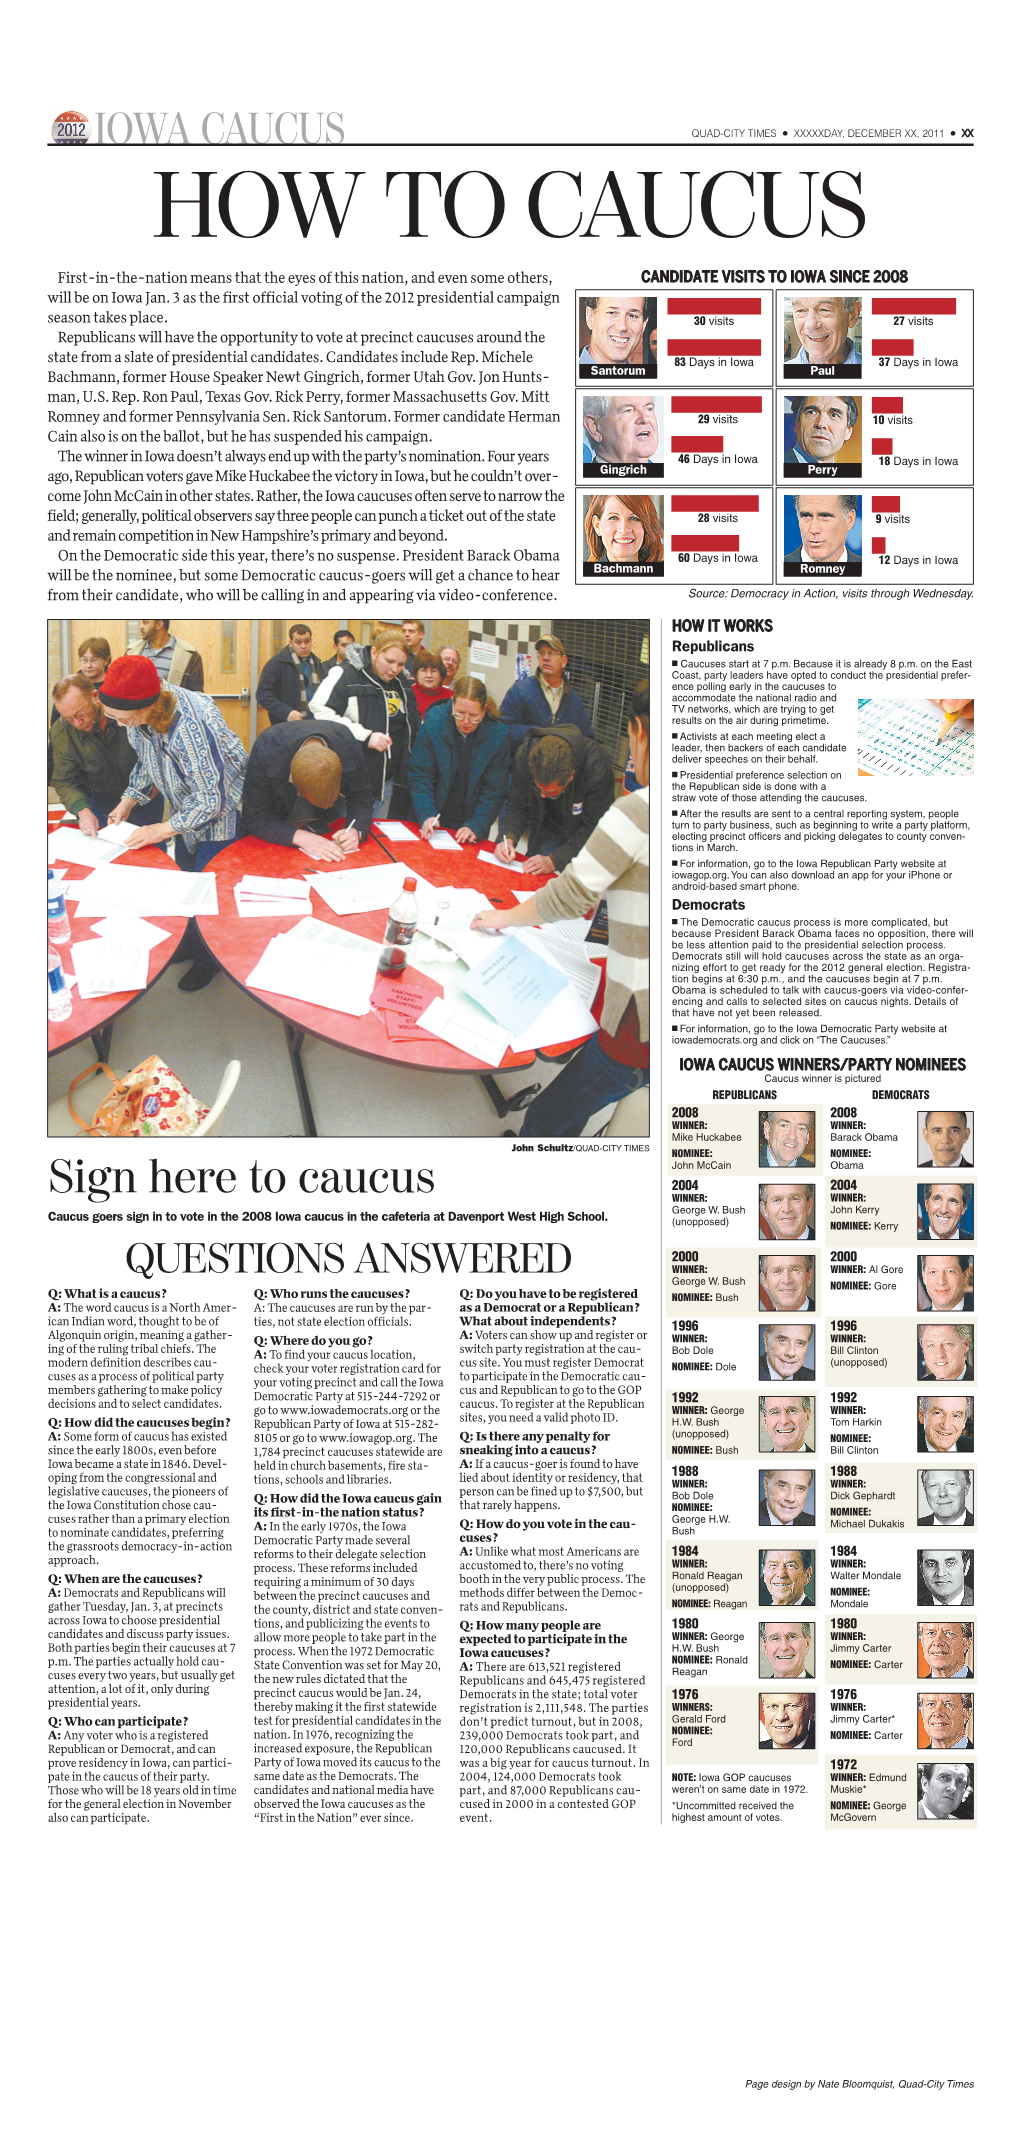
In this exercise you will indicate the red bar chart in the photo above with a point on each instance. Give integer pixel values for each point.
(727, 435)
(923, 336)
(724, 534)
(718, 336)
(925, 435)
(912, 535)
(857, 402)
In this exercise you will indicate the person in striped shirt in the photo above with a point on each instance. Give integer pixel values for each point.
(613, 864)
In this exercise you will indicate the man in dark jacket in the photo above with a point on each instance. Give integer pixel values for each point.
(460, 765)
(93, 759)
(293, 783)
(542, 702)
(289, 679)
(560, 785)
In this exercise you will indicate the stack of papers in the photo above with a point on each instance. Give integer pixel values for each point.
(105, 966)
(576, 928)
(356, 893)
(560, 1022)
(141, 890)
(257, 897)
(401, 1004)
(517, 995)
(585, 975)
(396, 830)
(512, 982)
(319, 964)
(466, 1028)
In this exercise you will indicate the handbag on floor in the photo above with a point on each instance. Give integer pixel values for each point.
(144, 1104)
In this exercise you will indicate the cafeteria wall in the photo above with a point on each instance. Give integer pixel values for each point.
(223, 644)
(273, 633)
(607, 655)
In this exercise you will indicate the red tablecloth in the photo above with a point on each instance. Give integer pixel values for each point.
(89, 1015)
(237, 942)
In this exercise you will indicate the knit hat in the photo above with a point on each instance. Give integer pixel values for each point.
(131, 683)
(316, 773)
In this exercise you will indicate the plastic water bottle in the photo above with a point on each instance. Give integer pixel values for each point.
(58, 995)
(58, 923)
(401, 925)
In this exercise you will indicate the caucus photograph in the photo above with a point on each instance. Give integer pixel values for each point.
(349, 876)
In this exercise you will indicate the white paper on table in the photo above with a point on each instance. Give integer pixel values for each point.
(321, 966)
(569, 928)
(104, 966)
(70, 846)
(278, 889)
(477, 1038)
(115, 837)
(255, 897)
(513, 981)
(396, 830)
(564, 1018)
(124, 927)
(330, 937)
(516, 864)
(441, 839)
(447, 916)
(354, 893)
(261, 907)
(141, 890)
(585, 975)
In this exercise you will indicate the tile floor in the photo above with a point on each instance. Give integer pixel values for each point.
(198, 1032)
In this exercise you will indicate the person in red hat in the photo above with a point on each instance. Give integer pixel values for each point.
(192, 757)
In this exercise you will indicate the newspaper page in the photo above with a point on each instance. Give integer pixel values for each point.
(540, 833)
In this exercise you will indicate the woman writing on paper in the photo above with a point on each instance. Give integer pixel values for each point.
(193, 759)
(613, 864)
(460, 766)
